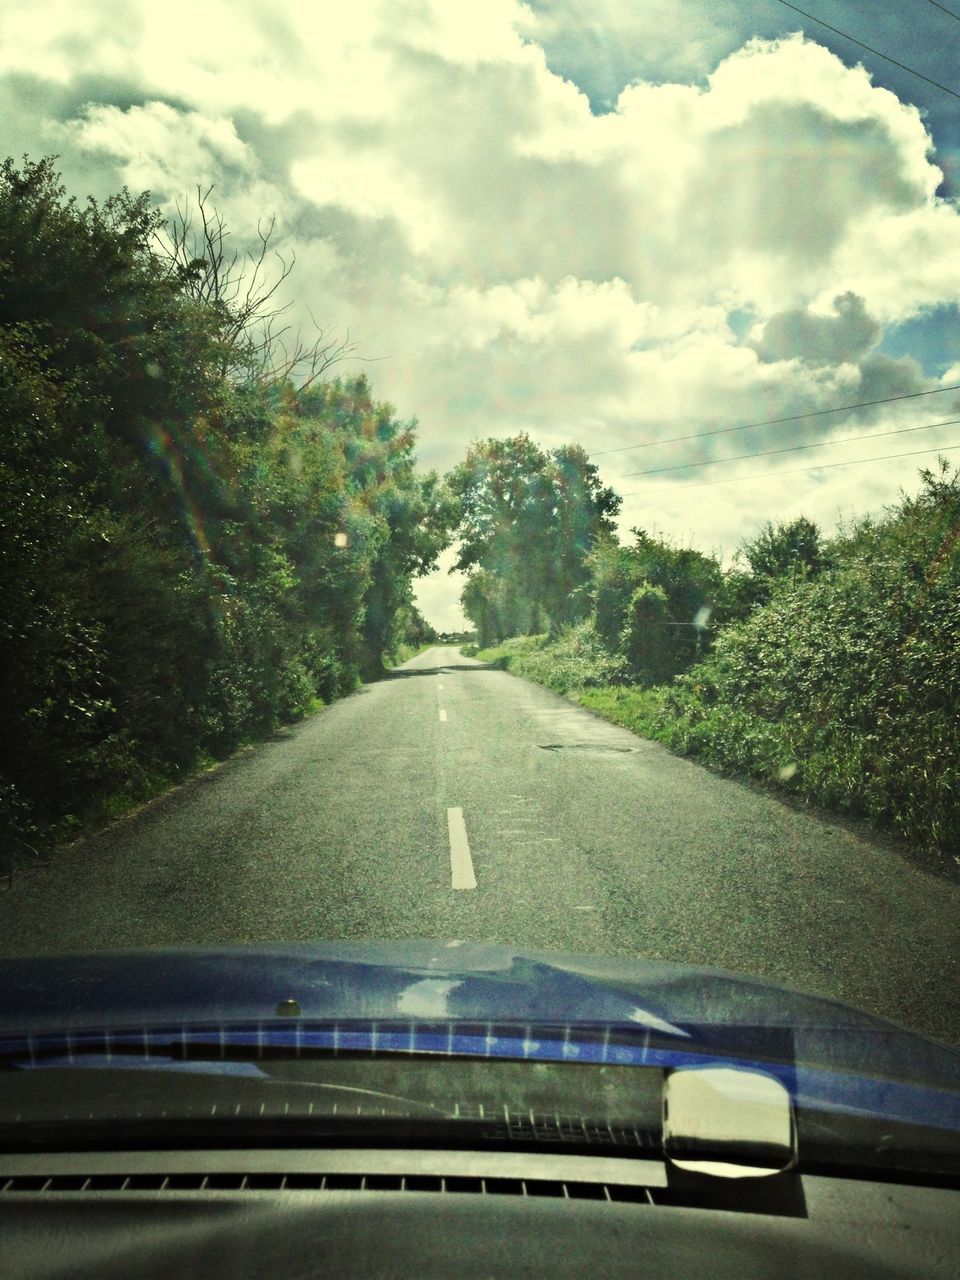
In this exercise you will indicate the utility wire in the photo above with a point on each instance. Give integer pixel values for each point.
(772, 422)
(952, 14)
(790, 448)
(796, 471)
(870, 49)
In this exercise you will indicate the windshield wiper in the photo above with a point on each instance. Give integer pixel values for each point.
(604, 1044)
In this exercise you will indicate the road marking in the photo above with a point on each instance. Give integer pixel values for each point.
(443, 716)
(461, 864)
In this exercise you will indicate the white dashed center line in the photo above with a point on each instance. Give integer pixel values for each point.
(461, 864)
(443, 716)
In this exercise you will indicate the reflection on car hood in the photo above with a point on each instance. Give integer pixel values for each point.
(393, 980)
(449, 980)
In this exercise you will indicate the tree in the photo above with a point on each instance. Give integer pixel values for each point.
(401, 518)
(99, 353)
(686, 585)
(188, 554)
(529, 518)
(482, 603)
(242, 293)
(785, 550)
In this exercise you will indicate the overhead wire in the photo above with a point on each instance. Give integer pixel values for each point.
(936, 4)
(647, 444)
(772, 422)
(816, 412)
(796, 471)
(790, 448)
(870, 49)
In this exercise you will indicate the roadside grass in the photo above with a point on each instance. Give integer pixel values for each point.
(403, 653)
(137, 790)
(576, 659)
(627, 705)
(505, 654)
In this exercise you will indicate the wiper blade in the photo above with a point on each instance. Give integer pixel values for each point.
(613, 1045)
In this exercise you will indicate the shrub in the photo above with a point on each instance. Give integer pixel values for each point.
(577, 659)
(846, 687)
(648, 637)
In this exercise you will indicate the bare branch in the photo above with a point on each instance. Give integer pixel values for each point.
(241, 289)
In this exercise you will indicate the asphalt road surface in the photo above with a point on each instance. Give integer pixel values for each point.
(456, 801)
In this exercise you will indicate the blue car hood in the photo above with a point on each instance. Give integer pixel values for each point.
(476, 982)
(417, 981)
(473, 1000)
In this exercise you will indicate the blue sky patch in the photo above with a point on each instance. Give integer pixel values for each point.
(932, 338)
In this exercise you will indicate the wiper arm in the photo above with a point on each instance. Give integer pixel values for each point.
(620, 1044)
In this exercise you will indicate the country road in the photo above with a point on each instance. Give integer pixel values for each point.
(452, 800)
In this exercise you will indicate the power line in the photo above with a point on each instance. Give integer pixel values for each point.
(772, 422)
(796, 471)
(937, 5)
(790, 448)
(870, 49)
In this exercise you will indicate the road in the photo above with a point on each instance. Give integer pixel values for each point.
(451, 800)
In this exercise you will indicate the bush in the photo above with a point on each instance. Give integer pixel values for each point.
(577, 659)
(846, 687)
(648, 639)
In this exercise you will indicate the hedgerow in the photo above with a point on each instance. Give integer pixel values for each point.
(847, 687)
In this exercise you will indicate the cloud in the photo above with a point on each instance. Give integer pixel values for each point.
(816, 339)
(156, 146)
(511, 256)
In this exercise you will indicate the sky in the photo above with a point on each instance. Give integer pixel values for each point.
(637, 225)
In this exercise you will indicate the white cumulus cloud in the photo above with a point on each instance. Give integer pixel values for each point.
(711, 249)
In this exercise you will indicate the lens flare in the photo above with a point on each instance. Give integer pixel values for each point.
(163, 446)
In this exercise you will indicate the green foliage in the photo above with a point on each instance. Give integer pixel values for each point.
(648, 640)
(526, 520)
(186, 558)
(780, 553)
(845, 687)
(576, 659)
(504, 653)
(653, 602)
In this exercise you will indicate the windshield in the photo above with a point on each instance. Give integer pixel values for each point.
(484, 473)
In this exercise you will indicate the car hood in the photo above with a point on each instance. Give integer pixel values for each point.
(470, 1000)
(437, 980)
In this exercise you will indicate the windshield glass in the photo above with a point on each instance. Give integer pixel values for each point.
(484, 473)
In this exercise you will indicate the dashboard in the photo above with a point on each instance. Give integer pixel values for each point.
(369, 1211)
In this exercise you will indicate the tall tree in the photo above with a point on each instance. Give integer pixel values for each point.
(785, 550)
(529, 518)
